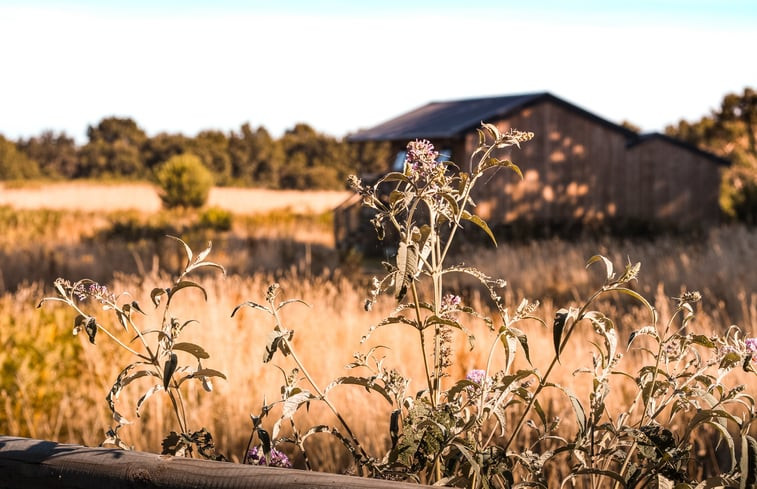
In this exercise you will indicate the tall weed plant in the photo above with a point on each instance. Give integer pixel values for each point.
(496, 427)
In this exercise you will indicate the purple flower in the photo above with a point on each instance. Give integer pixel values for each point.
(476, 375)
(275, 459)
(751, 348)
(421, 159)
(450, 301)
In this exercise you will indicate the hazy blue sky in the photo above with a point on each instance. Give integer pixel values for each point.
(184, 66)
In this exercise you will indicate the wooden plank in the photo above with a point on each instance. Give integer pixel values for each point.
(27, 463)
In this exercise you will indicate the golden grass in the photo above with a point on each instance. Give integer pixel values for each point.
(103, 197)
(326, 336)
(53, 385)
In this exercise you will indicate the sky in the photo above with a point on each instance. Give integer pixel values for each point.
(339, 66)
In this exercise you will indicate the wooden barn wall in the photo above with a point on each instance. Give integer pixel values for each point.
(578, 170)
(571, 170)
(678, 186)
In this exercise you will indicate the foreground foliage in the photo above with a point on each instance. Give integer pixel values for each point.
(494, 428)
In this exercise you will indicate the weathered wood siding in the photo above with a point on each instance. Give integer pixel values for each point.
(578, 170)
(676, 186)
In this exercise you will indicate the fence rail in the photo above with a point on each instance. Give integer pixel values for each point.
(27, 463)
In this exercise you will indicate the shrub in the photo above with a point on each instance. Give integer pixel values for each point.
(216, 219)
(185, 181)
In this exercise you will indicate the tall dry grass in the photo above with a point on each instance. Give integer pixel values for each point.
(53, 385)
(71, 408)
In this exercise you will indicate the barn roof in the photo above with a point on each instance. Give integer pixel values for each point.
(450, 119)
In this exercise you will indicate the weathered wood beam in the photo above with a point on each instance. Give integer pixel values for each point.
(30, 464)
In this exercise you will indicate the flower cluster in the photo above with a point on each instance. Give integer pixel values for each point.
(476, 375)
(86, 289)
(450, 301)
(420, 160)
(751, 348)
(275, 459)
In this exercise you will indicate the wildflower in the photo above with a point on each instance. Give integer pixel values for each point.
(421, 159)
(275, 459)
(751, 348)
(476, 375)
(450, 301)
(88, 289)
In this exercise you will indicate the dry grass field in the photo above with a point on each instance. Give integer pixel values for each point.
(143, 197)
(52, 384)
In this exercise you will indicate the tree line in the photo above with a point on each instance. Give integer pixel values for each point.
(301, 158)
(730, 131)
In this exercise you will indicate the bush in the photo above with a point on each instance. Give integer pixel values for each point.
(185, 181)
(216, 219)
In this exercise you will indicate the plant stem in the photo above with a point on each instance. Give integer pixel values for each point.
(288, 345)
(424, 353)
(552, 365)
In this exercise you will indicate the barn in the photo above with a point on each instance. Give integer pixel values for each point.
(580, 170)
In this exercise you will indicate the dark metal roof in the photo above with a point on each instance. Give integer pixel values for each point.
(438, 120)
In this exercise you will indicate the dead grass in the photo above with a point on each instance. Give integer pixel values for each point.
(143, 197)
(327, 333)
(53, 385)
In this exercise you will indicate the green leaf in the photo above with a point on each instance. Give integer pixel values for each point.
(393, 177)
(193, 349)
(578, 409)
(292, 301)
(169, 368)
(147, 395)
(492, 129)
(135, 306)
(207, 264)
(185, 284)
(703, 340)
(561, 317)
(646, 330)
(369, 384)
(155, 295)
(407, 266)
(480, 223)
(639, 298)
(608, 265)
(252, 305)
(276, 341)
(91, 328)
(748, 463)
(187, 249)
(523, 339)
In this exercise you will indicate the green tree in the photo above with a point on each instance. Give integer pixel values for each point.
(185, 181)
(212, 147)
(313, 160)
(730, 131)
(370, 157)
(114, 149)
(14, 164)
(256, 158)
(161, 147)
(56, 154)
